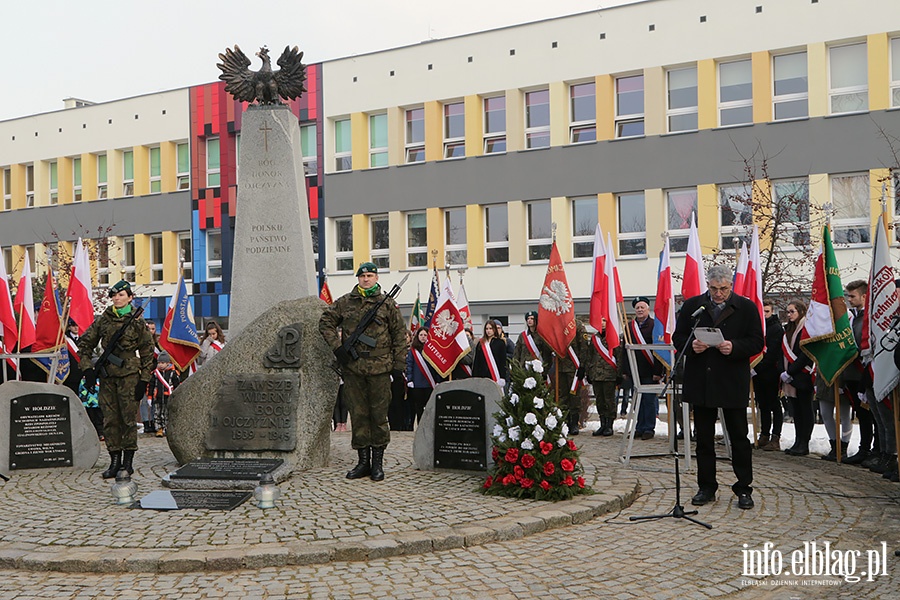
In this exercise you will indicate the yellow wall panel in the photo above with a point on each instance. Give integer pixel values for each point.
(708, 217)
(606, 216)
(474, 235)
(707, 94)
(64, 179)
(168, 168)
(879, 71)
(170, 255)
(654, 101)
(817, 56)
(878, 178)
(42, 183)
(559, 113)
(762, 87)
(434, 218)
(762, 198)
(362, 249)
(434, 130)
(518, 246)
(141, 258)
(515, 120)
(606, 102)
(141, 170)
(114, 173)
(88, 177)
(396, 135)
(359, 143)
(474, 125)
(17, 181)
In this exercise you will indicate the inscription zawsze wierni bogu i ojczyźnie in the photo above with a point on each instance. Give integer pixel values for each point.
(255, 412)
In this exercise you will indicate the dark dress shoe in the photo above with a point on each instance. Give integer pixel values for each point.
(703, 497)
(745, 501)
(647, 435)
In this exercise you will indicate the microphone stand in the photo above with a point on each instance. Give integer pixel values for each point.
(678, 511)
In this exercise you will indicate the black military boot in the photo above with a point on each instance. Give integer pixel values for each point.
(831, 456)
(377, 464)
(844, 446)
(115, 463)
(128, 461)
(606, 426)
(364, 466)
(573, 424)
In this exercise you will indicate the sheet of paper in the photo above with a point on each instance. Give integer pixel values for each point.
(710, 336)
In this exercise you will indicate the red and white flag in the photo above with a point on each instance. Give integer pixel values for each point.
(753, 288)
(24, 306)
(740, 274)
(664, 309)
(556, 310)
(881, 305)
(8, 328)
(462, 302)
(81, 307)
(611, 260)
(693, 283)
(599, 283)
(613, 326)
(447, 342)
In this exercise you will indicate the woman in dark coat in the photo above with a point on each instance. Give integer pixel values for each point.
(420, 375)
(797, 381)
(490, 356)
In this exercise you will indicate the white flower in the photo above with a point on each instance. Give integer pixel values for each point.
(509, 421)
(529, 383)
(498, 430)
(514, 433)
(551, 422)
(537, 367)
(531, 419)
(538, 402)
(565, 430)
(527, 444)
(513, 399)
(501, 439)
(561, 442)
(558, 413)
(538, 433)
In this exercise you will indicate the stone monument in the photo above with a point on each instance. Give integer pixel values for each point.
(43, 425)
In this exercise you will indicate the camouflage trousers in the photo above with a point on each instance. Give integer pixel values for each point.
(368, 397)
(120, 412)
(605, 396)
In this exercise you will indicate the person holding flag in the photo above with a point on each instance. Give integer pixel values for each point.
(530, 345)
(124, 377)
(718, 377)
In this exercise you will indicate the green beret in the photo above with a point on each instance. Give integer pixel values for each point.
(367, 267)
(121, 285)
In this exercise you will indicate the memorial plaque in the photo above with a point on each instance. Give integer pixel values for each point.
(227, 468)
(179, 499)
(255, 412)
(40, 432)
(460, 431)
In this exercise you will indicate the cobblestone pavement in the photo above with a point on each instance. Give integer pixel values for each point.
(798, 501)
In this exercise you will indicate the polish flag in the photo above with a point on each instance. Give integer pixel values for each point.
(24, 305)
(753, 287)
(462, 301)
(447, 342)
(613, 326)
(740, 274)
(81, 307)
(694, 281)
(599, 282)
(8, 327)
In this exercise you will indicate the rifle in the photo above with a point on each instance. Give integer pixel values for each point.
(108, 357)
(346, 352)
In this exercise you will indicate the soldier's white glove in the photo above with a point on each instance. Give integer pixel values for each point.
(410, 384)
(501, 383)
(785, 378)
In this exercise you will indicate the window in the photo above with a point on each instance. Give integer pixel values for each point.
(495, 125)
(155, 171)
(496, 233)
(29, 186)
(791, 199)
(537, 119)
(54, 183)
(416, 240)
(156, 258)
(455, 236)
(629, 106)
(682, 99)
(895, 72)
(213, 254)
(849, 90)
(735, 215)
(101, 176)
(790, 94)
(632, 224)
(850, 195)
(213, 165)
(128, 173)
(102, 261)
(378, 140)
(680, 205)
(186, 255)
(455, 130)
(584, 224)
(7, 191)
(344, 246)
(381, 241)
(183, 177)
(735, 93)
(583, 107)
(128, 273)
(415, 135)
(308, 148)
(343, 161)
(76, 180)
(539, 230)
(7, 259)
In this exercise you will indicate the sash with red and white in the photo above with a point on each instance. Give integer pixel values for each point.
(577, 382)
(14, 362)
(217, 345)
(491, 362)
(531, 345)
(791, 357)
(423, 367)
(639, 338)
(72, 347)
(167, 388)
(603, 351)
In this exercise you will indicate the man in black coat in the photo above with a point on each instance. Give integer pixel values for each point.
(766, 382)
(719, 377)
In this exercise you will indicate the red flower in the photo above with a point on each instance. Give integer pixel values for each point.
(545, 485)
(527, 461)
(549, 468)
(495, 454)
(572, 446)
(519, 472)
(546, 447)
(568, 481)
(509, 480)
(526, 483)
(512, 455)
(580, 481)
(489, 482)
(567, 465)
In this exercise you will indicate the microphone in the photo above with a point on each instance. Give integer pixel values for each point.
(698, 312)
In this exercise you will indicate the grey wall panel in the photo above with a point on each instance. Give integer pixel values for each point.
(819, 145)
(118, 216)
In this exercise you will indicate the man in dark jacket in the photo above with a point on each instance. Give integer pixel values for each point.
(765, 383)
(367, 380)
(650, 369)
(719, 377)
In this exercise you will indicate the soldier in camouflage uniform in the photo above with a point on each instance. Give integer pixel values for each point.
(367, 380)
(567, 372)
(122, 388)
(603, 377)
(523, 352)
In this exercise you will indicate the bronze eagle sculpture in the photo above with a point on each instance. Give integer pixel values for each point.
(264, 86)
